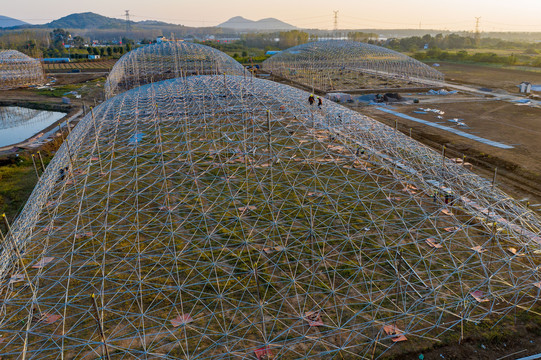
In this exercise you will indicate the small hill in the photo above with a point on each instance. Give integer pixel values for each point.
(87, 20)
(9, 22)
(240, 23)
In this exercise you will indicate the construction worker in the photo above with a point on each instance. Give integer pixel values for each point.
(311, 99)
(319, 102)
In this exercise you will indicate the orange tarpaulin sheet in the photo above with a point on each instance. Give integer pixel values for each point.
(432, 243)
(395, 332)
(313, 318)
(40, 264)
(479, 296)
(181, 320)
(263, 353)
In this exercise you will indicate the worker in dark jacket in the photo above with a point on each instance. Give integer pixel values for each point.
(319, 102)
(311, 99)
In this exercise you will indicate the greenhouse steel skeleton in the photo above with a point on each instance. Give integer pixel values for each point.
(13, 116)
(341, 65)
(19, 70)
(218, 216)
(168, 60)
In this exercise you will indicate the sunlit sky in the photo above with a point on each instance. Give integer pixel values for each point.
(496, 15)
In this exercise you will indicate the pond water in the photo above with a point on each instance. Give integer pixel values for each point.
(18, 124)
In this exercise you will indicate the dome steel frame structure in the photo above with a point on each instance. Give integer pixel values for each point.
(322, 65)
(168, 60)
(221, 216)
(19, 70)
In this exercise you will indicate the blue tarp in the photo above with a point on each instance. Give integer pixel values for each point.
(441, 92)
(136, 138)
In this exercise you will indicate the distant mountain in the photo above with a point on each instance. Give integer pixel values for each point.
(87, 20)
(9, 22)
(240, 23)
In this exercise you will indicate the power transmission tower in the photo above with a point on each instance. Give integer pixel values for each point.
(128, 25)
(477, 32)
(335, 21)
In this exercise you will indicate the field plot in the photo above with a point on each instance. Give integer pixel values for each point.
(504, 122)
(220, 215)
(489, 77)
(104, 65)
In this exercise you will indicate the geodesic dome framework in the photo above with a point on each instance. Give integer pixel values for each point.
(349, 65)
(168, 60)
(19, 70)
(14, 116)
(218, 216)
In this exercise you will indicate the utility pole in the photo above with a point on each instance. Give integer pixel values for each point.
(128, 26)
(477, 32)
(335, 22)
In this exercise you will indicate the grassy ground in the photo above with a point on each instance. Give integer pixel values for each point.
(18, 178)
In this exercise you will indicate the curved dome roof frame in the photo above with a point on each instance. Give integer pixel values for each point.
(322, 65)
(19, 70)
(216, 215)
(168, 60)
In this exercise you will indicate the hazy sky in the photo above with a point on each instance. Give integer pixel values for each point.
(496, 15)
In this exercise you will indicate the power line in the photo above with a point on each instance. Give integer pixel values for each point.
(128, 25)
(477, 32)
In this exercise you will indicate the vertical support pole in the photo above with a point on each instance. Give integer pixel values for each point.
(461, 326)
(35, 167)
(263, 329)
(97, 140)
(375, 344)
(100, 326)
(41, 161)
(269, 133)
(443, 156)
(20, 258)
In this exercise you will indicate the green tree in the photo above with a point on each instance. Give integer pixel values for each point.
(292, 38)
(58, 38)
(361, 36)
(78, 41)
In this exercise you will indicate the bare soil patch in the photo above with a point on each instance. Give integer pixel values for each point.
(489, 77)
(519, 126)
